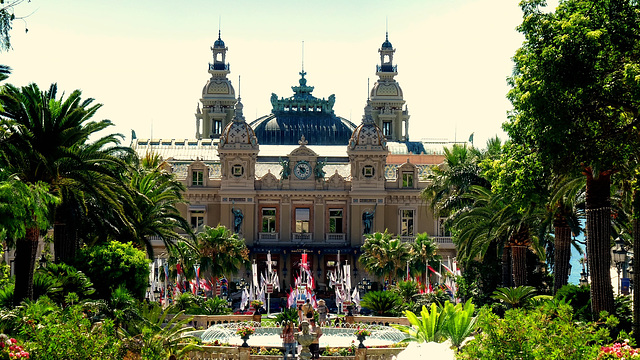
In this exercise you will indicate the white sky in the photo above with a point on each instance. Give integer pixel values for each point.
(146, 61)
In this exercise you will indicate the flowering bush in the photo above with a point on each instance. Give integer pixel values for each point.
(362, 332)
(246, 331)
(618, 351)
(256, 303)
(9, 349)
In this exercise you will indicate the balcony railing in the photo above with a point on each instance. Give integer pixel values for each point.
(443, 239)
(335, 238)
(301, 237)
(268, 237)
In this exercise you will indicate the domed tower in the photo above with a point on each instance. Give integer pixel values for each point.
(367, 152)
(387, 98)
(218, 96)
(238, 151)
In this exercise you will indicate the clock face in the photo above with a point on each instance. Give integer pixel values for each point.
(302, 170)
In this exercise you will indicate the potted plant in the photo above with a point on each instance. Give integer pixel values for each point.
(257, 314)
(361, 335)
(244, 333)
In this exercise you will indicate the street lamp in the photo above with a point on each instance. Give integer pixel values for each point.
(631, 273)
(619, 257)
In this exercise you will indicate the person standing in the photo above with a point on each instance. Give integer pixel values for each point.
(307, 309)
(323, 311)
(288, 340)
(314, 347)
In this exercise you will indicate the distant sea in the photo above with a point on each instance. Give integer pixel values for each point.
(576, 268)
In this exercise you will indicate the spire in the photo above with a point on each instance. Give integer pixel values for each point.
(238, 116)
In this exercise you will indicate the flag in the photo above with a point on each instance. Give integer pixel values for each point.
(291, 299)
(435, 272)
(166, 273)
(269, 262)
(245, 299)
(254, 270)
(448, 269)
(332, 279)
(275, 281)
(355, 297)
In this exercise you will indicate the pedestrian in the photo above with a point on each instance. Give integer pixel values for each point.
(314, 347)
(288, 340)
(323, 312)
(307, 309)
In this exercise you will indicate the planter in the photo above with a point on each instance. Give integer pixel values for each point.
(257, 318)
(244, 339)
(361, 338)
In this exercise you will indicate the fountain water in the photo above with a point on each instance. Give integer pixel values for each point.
(270, 336)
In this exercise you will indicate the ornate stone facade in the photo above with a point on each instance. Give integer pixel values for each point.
(319, 196)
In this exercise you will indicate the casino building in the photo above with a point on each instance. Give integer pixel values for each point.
(303, 179)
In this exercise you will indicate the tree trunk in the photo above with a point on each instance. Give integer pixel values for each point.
(599, 241)
(519, 257)
(562, 252)
(25, 263)
(636, 265)
(506, 267)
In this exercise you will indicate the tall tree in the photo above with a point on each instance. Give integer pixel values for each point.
(576, 98)
(42, 140)
(384, 255)
(153, 212)
(220, 251)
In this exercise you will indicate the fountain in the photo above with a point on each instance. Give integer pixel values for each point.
(342, 336)
(305, 338)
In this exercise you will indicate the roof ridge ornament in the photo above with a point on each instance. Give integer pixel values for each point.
(303, 141)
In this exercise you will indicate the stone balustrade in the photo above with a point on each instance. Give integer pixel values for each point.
(240, 353)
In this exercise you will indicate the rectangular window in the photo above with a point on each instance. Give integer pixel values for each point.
(386, 128)
(268, 220)
(335, 221)
(197, 178)
(197, 219)
(217, 127)
(407, 180)
(442, 228)
(302, 220)
(406, 223)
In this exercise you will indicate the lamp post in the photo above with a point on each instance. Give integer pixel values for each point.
(619, 254)
(631, 273)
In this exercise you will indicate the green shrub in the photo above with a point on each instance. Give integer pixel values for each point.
(114, 264)
(515, 297)
(61, 334)
(288, 314)
(548, 332)
(382, 303)
(579, 298)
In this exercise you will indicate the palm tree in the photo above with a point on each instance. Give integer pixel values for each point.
(221, 252)
(154, 213)
(384, 256)
(423, 250)
(44, 140)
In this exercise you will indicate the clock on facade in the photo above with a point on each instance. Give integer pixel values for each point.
(302, 170)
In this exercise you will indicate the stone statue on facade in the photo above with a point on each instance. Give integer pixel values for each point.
(286, 170)
(319, 169)
(367, 220)
(237, 219)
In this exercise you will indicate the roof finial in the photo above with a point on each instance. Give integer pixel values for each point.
(238, 87)
(219, 25)
(368, 89)
(387, 27)
(302, 55)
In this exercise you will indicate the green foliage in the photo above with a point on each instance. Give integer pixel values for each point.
(438, 297)
(5, 275)
(516, 296)
(480, 279)
(114, 264)
(52, 332)
(448, 321)
(221, 252)
(579, 298)
(428, 328)
(548, 332)
(162, 335)
(407, 290)
(382, 303)
(384, 255)
(58, 280)
(199, 305)
(288, 314)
